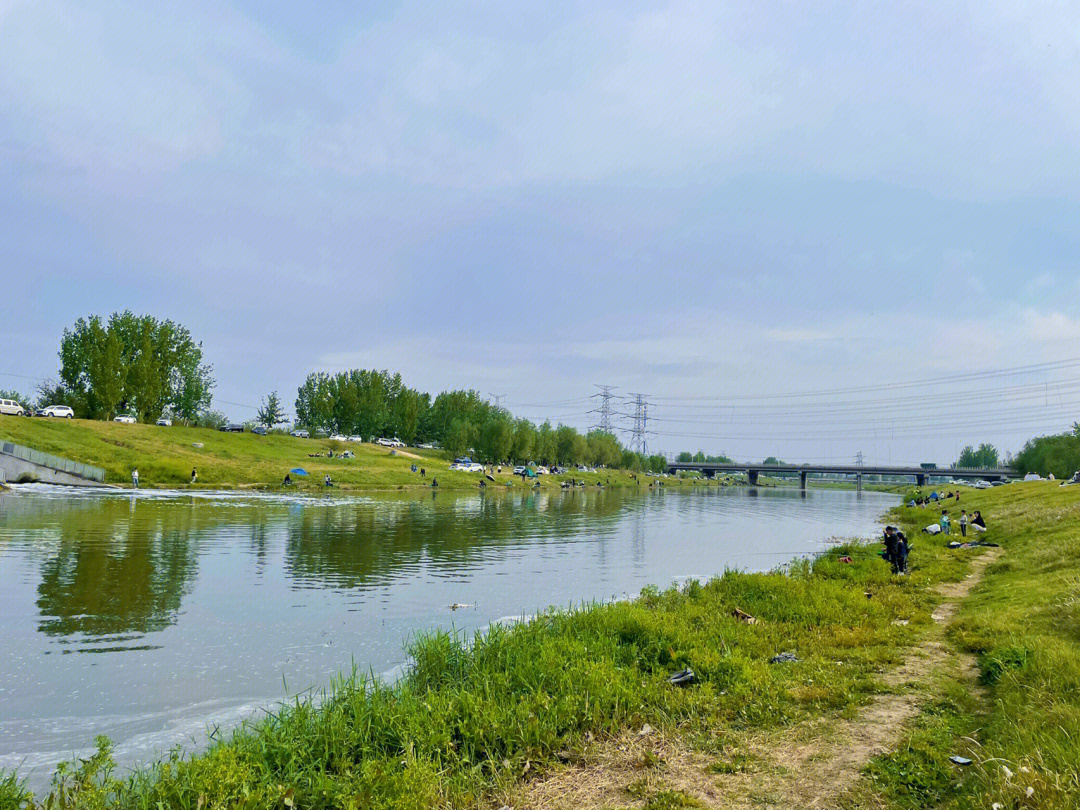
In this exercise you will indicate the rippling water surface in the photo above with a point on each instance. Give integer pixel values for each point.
(149, 616)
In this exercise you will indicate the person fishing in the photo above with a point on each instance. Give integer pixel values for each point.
(135, 478)
(288, 480)
(194, 475)
(901, 554)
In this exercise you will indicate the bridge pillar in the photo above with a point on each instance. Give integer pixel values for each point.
(858, 482)
(802, 481)
(751, 476)
(920, 480)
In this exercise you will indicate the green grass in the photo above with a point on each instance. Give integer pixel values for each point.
(472, 716)
(1023, 626)
(165, 456)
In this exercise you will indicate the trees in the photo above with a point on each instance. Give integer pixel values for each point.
(524, 441)
(132, 363)
(602, 449)
(985, 456)
(270, 414)
(496, 439)
(1059, 455)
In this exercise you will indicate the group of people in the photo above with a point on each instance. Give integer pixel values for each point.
(975, 520)
(896, 550)
(923, 501)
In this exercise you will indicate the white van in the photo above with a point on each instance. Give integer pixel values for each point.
(11, 408)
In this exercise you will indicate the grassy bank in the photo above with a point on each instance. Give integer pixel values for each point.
(165, 456)
(1021, 724)
(471, 719)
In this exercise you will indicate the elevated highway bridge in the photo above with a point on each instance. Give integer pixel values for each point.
(920, 474)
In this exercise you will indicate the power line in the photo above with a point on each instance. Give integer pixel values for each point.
(1033, 368)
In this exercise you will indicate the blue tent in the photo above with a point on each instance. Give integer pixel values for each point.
(298, 471)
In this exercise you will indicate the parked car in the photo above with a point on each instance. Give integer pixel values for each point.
(467, 466)
(125, 418)
(164, 421)
(520, 469)
(542, 471)
(300, 434)
(425, 446)
(356, 439)
(11, 408)
(259, 430)
(60, 411)
(337, 437)
(394, 442)
(232, 427)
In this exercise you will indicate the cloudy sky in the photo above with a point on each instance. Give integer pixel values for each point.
(698, 201)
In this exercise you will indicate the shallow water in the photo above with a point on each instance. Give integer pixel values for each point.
(150, 616)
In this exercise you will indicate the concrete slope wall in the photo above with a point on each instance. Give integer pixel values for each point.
(20, 464)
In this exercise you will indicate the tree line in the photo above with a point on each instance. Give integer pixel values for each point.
(371, 403)
(1058, 454)
(146, 367)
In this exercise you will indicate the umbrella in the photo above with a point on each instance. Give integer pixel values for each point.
(490, 477)
(298, 471)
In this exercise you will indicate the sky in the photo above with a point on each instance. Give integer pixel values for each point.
(703, 202)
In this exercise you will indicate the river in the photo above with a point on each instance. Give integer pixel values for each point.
(149, 616)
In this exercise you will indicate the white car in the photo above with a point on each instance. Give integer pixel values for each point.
(164, 421)
(11, 407)
(300, 434)
(983, 485)
(337, 437)
(394, 442)
(356, 439)
(126, 418)
(472, 466)
(542, 471)
(61, 411)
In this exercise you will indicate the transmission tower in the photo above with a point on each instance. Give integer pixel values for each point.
(498, 399)
(604, 419)
(638, 442)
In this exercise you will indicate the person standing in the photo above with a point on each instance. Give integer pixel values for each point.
(944, 522)
(902, 548)
(963, 523)
(194, 475)
(135, 478)
(890, 547)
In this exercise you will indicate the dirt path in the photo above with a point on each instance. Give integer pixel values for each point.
(805, 766)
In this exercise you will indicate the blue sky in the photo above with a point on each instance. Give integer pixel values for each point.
(685, 199)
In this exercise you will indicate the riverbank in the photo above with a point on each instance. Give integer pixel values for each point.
(165, 457)
(469, 726)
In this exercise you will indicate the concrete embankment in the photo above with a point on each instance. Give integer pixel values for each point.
(20, 464)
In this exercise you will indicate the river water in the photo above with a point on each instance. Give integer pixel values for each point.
(149, 616)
